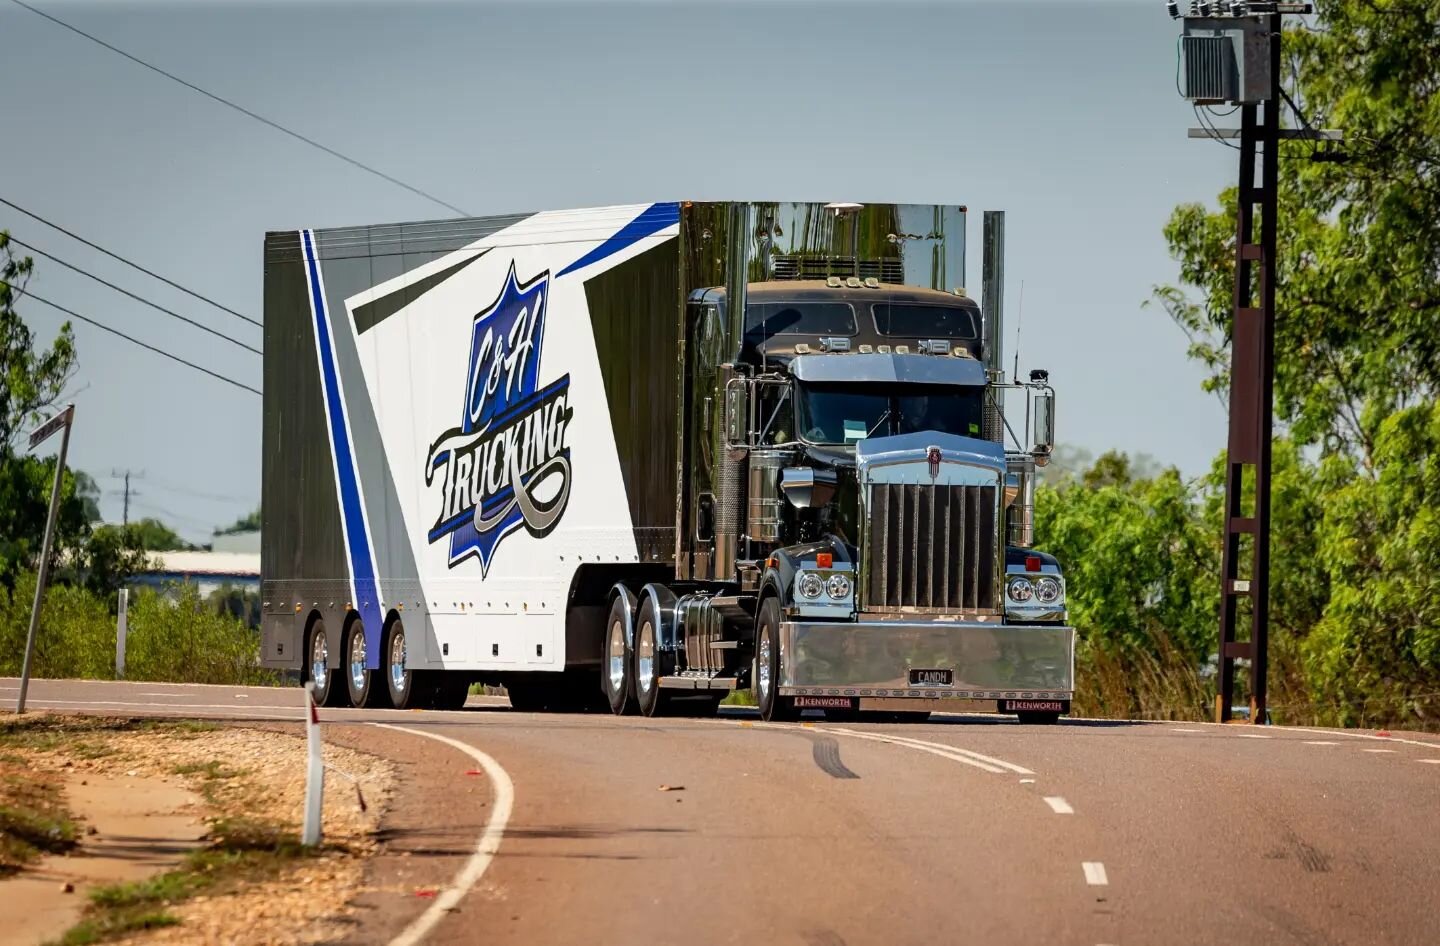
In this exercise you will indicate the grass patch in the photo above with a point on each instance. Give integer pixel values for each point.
(214, 769)
(242, 850)
(115, 925)
(739, 698)
(33, 819)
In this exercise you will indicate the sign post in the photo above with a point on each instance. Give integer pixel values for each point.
(64, 420)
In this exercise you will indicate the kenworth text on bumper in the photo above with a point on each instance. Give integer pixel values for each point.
(637, 457)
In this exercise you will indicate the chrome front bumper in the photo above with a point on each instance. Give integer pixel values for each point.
(874, 659)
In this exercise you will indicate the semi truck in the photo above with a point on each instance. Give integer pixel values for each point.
(639, 457)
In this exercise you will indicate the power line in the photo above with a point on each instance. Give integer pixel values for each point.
(141, 299)
(116, 256)
(159, 351)
(243, 110)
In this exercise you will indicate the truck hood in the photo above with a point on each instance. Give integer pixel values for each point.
(905, 458)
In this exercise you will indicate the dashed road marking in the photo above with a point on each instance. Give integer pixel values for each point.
(1059, 805)
(1186, 730)
(1377, 750)
(1027, 781)
(1429, 761)
(485, 848)
(945, 752)
(1251, 735)
(1095, 874)
(1320, 742)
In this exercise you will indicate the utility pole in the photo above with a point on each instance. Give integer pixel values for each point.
(1232, 57)
(125, 515)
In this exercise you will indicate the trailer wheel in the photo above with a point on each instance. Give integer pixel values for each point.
(360, 681)
(328, 689)
(651, 663)
(773, 706)
(1038, 718)
(616, 680)
(449, 689)
(405, 687)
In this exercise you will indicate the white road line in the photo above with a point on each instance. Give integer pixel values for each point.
(1027, 781)
(1377, 750)
(1251, 735)
(284, 711)
(953, 756)
(1187, 730)
(485, 849)
(1365, 735)
(1429, 761)
(1095, 874)
(1320, 742)
(1059, 805)
(920, 743)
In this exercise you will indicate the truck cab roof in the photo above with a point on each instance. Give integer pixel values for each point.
(783, 317)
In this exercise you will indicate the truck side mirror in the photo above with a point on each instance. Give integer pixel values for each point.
(807, 487)
(1044, 440)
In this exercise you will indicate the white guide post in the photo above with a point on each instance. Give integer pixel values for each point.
(314, 770)
(121, 625)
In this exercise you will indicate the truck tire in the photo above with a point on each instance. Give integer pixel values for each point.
(773, 706)
(405, 687)
(1038, 718)
(616, 681)
(360, 682)
(651, 663)
(449, 689)
(329, 691)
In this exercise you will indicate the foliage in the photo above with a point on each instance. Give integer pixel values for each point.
(246, 523)
(30, 380)
(25, 483)
(176, 637)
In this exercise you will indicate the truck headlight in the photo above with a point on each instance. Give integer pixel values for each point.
(838, 587)
(809, 585)
(1019, 589)
(1047, 590)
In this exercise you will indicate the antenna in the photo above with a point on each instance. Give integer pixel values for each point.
(1019, 318)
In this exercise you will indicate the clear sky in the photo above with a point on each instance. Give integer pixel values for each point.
(1063, 114)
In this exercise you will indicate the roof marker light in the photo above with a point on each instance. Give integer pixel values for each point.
(1032, 563)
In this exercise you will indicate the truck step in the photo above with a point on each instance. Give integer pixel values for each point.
(697, 683)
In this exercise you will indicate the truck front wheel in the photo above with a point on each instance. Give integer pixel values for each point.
(773, 706)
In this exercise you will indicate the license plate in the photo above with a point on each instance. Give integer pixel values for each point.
(1043, 706)
(825, 702)
(932, 678)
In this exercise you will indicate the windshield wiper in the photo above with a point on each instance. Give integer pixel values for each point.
(883, 417)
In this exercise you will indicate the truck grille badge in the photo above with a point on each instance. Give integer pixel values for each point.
(933, 455)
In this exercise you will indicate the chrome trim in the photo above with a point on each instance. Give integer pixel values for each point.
(887, 368)
(357, 659)
(399, 681)
(823, 606)
(319, 660)
(990, 661)
(808, 487)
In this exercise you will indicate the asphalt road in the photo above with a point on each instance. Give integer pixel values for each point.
(594, 829)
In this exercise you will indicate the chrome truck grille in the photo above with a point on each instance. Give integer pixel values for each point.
(930, 547)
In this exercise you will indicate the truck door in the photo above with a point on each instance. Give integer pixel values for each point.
(704, 341)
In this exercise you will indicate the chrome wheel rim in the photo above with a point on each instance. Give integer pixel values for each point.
(645, 657)
(616, 657)
(397, 660)
(762, 672)
(319, 655)
(357, 660)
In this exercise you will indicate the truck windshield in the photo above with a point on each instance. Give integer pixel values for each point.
(845, 413)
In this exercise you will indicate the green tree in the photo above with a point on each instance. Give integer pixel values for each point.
(31, 380)
(246, 523)
(1355, 627)
(1357, 291)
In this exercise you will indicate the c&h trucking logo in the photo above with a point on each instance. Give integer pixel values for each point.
(511, 437)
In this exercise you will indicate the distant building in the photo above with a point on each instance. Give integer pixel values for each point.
(210, 571)
(248, 542)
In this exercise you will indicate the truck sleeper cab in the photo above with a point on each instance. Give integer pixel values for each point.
(515, 458)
